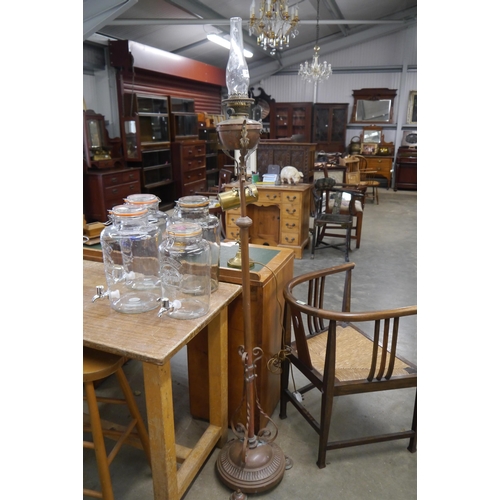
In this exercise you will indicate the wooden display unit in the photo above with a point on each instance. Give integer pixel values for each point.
(266, 284)
(280, 217)
(189, 159)
(289, 119)
(146, 141)
(285, 153)
(329, 127)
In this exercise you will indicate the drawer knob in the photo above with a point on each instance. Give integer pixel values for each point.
(271, 197)
(291, 211)
(290, 226)
(290, 240)
(291, 198)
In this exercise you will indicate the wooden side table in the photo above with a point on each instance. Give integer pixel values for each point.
(154, 341)
(267, 309)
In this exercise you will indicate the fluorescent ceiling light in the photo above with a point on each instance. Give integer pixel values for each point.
(225, 43)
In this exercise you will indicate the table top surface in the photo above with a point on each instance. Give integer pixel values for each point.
(141, 336)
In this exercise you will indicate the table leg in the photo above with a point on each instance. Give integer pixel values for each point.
(160, 412)
(217, 373)
(170, 483)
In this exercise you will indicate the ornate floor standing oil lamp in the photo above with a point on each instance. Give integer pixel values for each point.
(249, 463)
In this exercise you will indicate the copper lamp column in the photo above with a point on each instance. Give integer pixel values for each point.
(249, 463)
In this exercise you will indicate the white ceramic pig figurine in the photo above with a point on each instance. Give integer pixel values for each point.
(290, 175)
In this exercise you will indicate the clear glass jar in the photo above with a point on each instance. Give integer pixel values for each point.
(130, 247)
(185, 271)
(196, 209)
(155, 215)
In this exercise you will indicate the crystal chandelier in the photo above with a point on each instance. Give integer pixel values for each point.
(274, 24)
(316, 72)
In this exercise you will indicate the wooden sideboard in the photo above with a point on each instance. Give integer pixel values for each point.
(287, 153)
(266, 285)
(280, 217)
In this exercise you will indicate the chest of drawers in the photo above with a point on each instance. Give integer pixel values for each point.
(189, 161)
(280, 217)
(382, 165)
(104, 189)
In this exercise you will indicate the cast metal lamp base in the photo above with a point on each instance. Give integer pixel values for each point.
(263, 469)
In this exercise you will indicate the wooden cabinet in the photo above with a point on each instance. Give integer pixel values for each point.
(104, 189)
(406, 168)
(189, 160)
(291, 118)
(329, 127)
(266, 285)
(209, 135)
(284, 153)
(280, 217)
(146, 141)
(382, 166)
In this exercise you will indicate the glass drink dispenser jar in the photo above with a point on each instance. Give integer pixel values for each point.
(155, 215)
(185, 272)
(196, 209)
(130, 247)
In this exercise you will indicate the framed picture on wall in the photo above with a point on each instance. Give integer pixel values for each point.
(411, 118)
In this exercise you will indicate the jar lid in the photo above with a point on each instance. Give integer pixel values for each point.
(141, 199)
(184, 229)
(128, 211)
(193, 201)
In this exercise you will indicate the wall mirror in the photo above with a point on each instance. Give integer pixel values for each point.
(373, 105)
(372, 135)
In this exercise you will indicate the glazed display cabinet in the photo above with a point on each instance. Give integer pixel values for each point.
(329, 127)
(291, 119)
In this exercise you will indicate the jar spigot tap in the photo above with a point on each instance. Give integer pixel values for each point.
(168, 306)
(100, 293)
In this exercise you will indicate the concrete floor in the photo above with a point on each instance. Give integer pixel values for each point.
(385, 276)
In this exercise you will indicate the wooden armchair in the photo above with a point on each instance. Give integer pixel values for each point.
(337, 357)
(353, 185)
(333, 210)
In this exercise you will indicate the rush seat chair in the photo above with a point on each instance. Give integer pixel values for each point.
(341, 353)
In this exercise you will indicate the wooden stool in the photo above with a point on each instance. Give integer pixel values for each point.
(98, 365)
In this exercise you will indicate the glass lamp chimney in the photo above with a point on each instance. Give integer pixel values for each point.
(237, 75)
